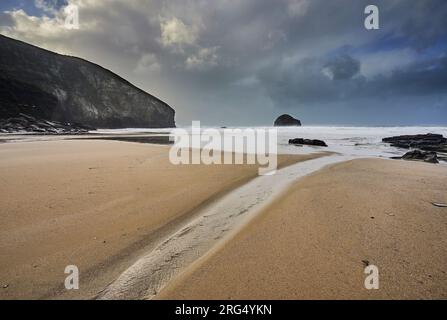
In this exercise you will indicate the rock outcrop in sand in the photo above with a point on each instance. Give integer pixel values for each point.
(309, 142)
(426, 146)
(53, 87)
(426, 142)
(417, 155)
(26, 123)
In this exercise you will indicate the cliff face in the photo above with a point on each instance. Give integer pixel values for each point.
(46, 85)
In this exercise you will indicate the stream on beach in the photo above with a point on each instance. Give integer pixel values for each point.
(224, 217)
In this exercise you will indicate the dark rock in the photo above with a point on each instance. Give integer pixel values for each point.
(426, 142)
(418, 155)
(310, 142)
(287, 120)
(430, 143)
(25, 123)
(428, 136)
(27, 117)
(44, 85)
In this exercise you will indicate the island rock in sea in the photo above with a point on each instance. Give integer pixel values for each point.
(286, 120)
(47, 86)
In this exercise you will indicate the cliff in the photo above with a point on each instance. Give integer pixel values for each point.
(54, 87)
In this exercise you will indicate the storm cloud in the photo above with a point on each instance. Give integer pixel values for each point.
(244, 62)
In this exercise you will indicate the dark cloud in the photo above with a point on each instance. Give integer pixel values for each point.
(424, 26)
(342, 67)
(311, 81)
(417, 79)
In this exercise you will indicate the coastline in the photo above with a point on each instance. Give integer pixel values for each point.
(108, 206)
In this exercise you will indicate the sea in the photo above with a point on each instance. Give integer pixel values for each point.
(345, 140)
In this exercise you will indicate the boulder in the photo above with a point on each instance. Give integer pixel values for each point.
(286, 120)
(309, 142)
(26, 123)
(418, 155)
(426, 142)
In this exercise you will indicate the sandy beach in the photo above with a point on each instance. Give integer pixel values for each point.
(95, 204)
(315, 241)
(102, 205)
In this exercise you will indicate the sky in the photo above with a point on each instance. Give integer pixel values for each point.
(245, 62)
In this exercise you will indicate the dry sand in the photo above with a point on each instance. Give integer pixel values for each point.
(313, 243)
(97, 205)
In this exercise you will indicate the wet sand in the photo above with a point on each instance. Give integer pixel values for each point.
(314, 242)
(212, 225)
(95, 204)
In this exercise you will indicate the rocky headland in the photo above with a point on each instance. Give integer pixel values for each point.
(38, 85)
